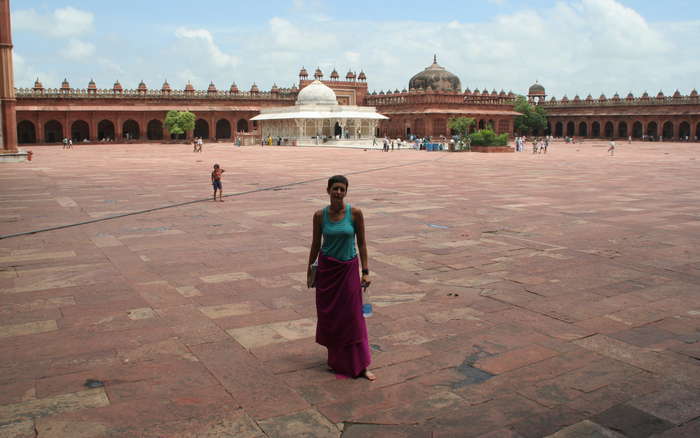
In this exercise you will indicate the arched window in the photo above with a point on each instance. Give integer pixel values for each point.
(595, 131)
(131, 130)
(26, 132)
(559, 129)
(652, 130)
(201, 128)
(80, 130)
(622, 130)
(583, 129)
(223, 129)
(684, 131)
(155, 130)
(609, 130)
(242, 125)
(53, 131)
(637, 129)
(105, 130)
(668, 131)
(570, 129)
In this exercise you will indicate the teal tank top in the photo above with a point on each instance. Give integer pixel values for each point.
(339, 237)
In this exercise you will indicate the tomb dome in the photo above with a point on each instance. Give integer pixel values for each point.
(316, 93)
(435, 77)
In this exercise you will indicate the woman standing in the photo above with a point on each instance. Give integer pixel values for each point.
(341, 327)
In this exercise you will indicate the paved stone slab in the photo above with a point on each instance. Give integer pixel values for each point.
(586, 429)
(307, 423)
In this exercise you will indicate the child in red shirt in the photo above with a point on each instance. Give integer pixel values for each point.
(216, 181)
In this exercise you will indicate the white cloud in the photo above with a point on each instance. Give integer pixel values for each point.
(77, 50)
(203, 40)
(61, 23)
(287, 35)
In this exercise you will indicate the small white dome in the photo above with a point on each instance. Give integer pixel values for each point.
(316, 93)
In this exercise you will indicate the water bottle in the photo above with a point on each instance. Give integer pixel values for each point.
(367, 306)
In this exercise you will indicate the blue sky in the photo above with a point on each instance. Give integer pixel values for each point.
(570, 46)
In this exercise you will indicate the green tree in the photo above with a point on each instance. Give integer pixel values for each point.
(461, 126)
(179, 122)
(533, 117)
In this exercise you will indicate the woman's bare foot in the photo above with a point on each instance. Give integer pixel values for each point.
(369, 375)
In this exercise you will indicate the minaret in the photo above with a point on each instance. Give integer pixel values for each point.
(8, 115)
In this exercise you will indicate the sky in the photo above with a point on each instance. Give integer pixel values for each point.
(569, 46)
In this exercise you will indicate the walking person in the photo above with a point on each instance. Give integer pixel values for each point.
(341, 327)
(65, 142)
(216, 181)
(611, 147)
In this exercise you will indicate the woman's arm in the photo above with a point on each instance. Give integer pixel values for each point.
(359, 220)
(315, 244)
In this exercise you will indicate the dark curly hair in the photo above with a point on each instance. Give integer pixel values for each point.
(337, 179)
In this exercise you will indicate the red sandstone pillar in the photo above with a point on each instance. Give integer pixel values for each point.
(8, 111)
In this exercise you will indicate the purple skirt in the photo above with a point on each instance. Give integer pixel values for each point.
(341, 327)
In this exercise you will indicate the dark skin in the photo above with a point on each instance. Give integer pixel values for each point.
(336, 212)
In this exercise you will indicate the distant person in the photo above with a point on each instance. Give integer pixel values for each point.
(629, 140)
(65, 143)
(611, 147)
(216, 181)
(70, 143)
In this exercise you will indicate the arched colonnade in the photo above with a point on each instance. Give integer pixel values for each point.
(52, 128)
(405, 126)
(675, 128)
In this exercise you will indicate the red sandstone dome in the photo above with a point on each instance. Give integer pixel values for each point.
(92, 85)
(254, 88)
(694, 93)
(233, 88)
(362, 76)
(660, 95)
(211, 88)
(274, 89)
(334, 74)
(350, 76)
(189, 87)
(166, 87)
(677, 95)
(38, 86)
(602, 98)
(65, 85)
(435, 77)
(117, 87)
(318, 74)
(142, 86)
(303, 73)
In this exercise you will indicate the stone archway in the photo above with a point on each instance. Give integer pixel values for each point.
(684, 131)
(637, 129)
(223, 129)
(622, 130)
(80, 130)
(105, 130)
(609, 130)
(667, 131)
(154, 130)
(570, 127)
(595, 130)
(651, 130)
(583, 129)
(559, 129)
(201, 128)
(242, 125)
(53, 131)
(131, 130)
(26, 132)
(482, 124)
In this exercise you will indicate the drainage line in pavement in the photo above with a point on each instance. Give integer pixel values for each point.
(180, 204)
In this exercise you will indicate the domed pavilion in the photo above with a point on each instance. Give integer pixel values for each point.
(435, 77)
(317, 116)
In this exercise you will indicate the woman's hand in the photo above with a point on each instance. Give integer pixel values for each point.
(365, 282)
(309, 277)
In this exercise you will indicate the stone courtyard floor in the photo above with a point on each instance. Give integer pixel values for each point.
(515, 295)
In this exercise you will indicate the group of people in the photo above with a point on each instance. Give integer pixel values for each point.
(539, 144)
(67, 143)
